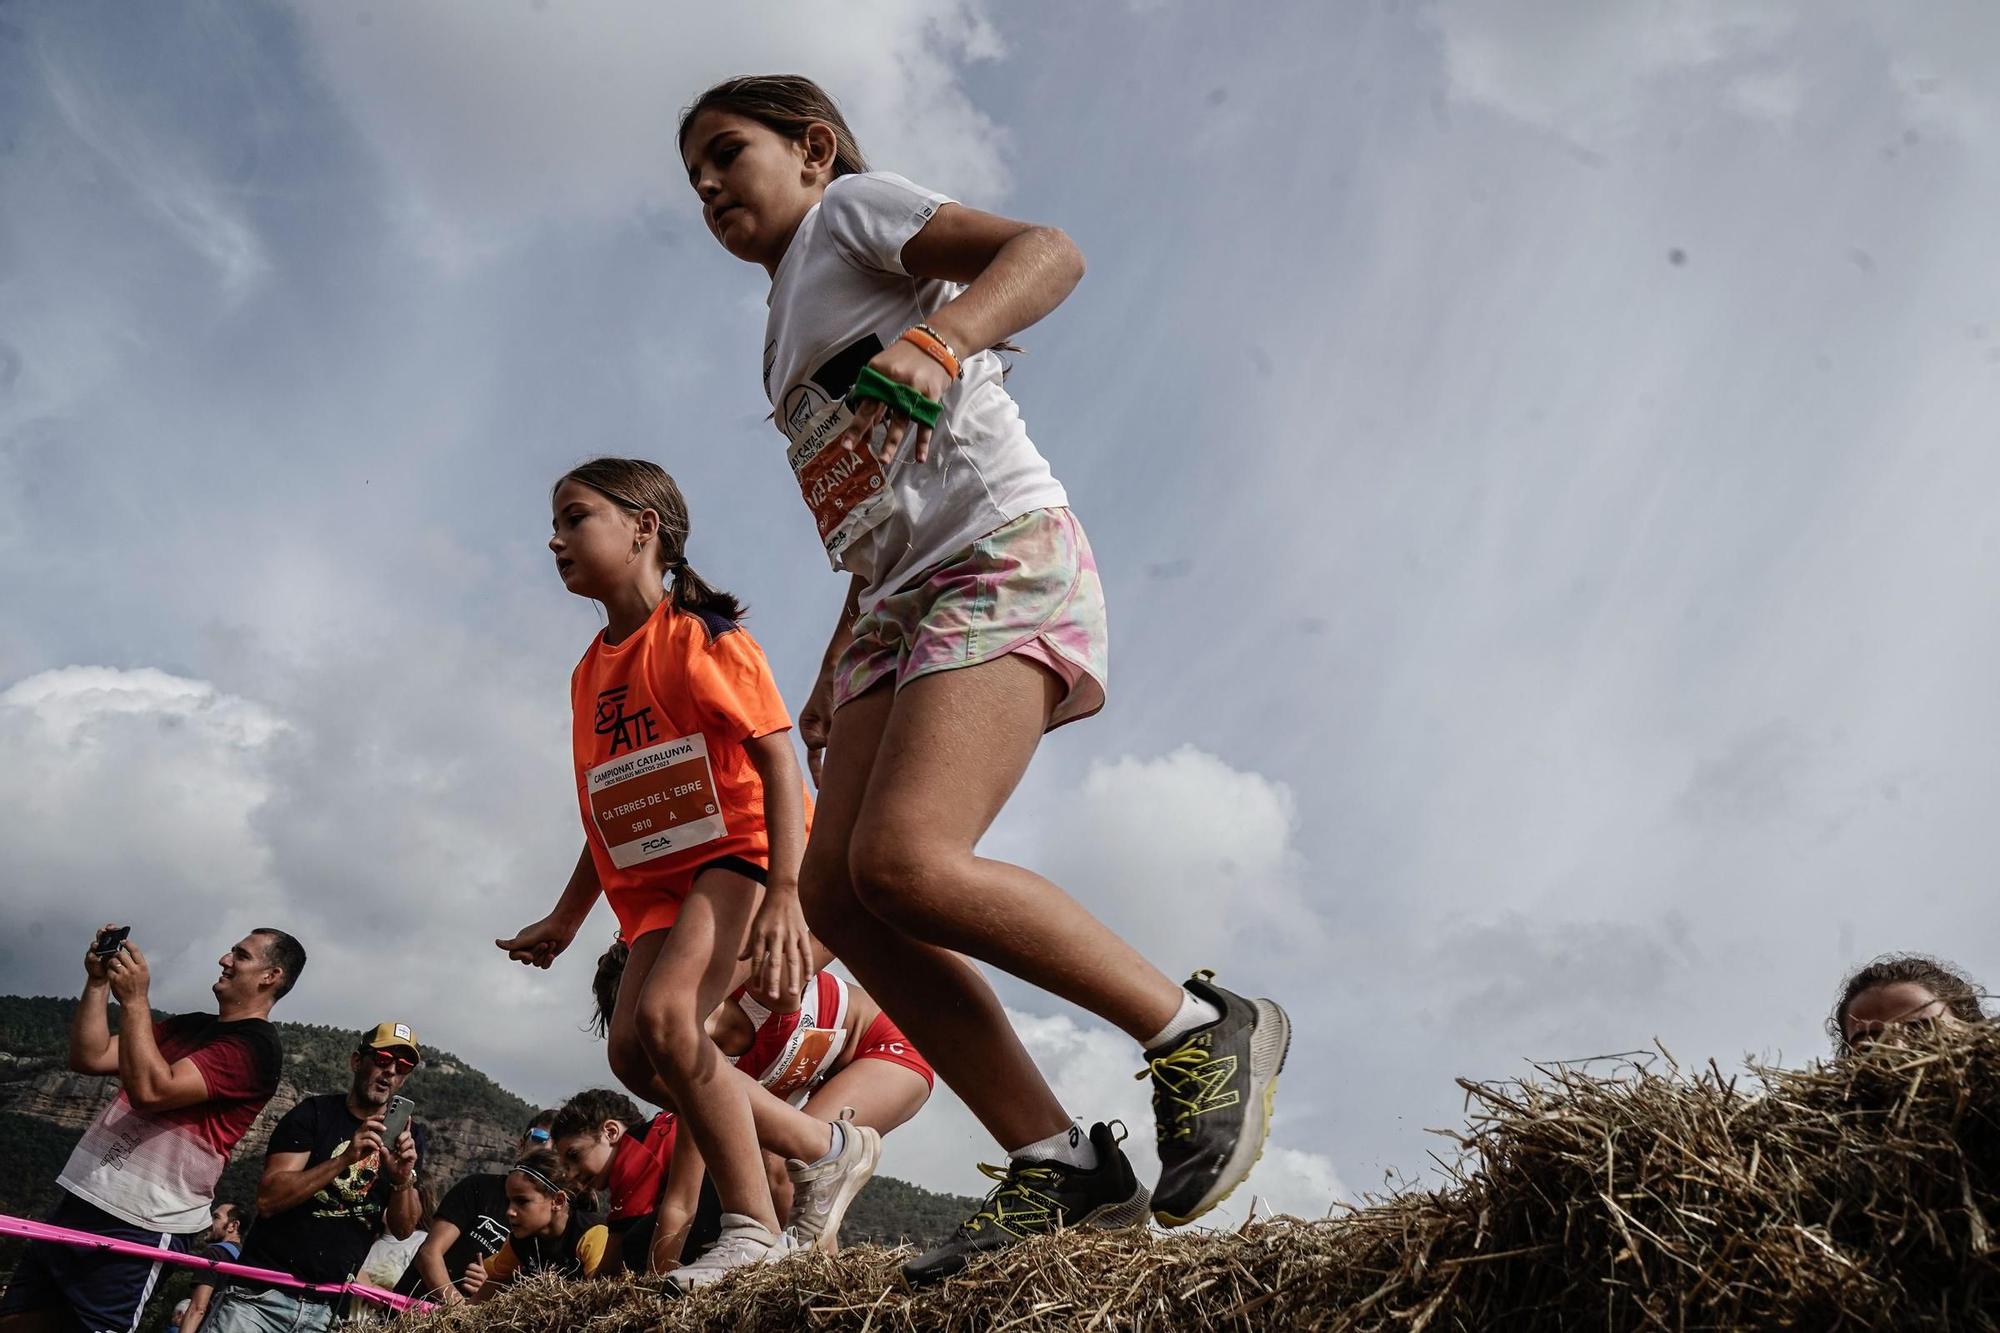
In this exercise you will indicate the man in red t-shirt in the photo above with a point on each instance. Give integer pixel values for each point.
(146, 1168)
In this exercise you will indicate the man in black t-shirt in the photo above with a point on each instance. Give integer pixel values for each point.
(330, 1187)
(470, 1223)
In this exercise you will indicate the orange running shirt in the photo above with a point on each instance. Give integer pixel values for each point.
(662, 779)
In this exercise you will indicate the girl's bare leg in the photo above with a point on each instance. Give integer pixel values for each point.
(937, 997)
(954, 748)
(688, 978)
(883, 1095)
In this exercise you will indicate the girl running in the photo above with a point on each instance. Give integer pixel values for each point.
(694, 813)
(545, 1235)
(974, 623)
(833, 1053)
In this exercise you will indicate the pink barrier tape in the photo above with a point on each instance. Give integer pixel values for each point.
(85, 1240)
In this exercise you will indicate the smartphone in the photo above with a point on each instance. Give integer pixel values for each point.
(395, 1120)
(110, 940)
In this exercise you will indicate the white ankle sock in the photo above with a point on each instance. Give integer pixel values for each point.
(1194, 1012)
(1071, 1147)
(839, 1137)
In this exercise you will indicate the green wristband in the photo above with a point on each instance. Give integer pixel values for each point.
(871, 383)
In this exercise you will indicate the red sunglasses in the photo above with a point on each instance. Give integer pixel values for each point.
(402, 1064)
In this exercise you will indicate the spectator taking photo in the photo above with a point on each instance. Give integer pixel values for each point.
(146, 1168)
(335, 1178)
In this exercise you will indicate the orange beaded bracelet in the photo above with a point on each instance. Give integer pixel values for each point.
(925, 339)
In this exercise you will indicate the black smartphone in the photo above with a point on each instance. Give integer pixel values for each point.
(110, 940)
(395, 1120)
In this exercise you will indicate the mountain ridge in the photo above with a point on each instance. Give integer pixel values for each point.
(474, 1123)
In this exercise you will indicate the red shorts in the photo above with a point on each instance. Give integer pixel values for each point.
(885, 1041)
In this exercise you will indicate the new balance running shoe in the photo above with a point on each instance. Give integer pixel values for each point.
(1034, 1198)
(1212, 1093)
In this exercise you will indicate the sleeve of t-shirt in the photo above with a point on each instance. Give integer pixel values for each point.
(502, 1265)
(592, 1248)
(730, 683)
(297, 1130)
(871, 217)
(236, 1067)
(456, 1206)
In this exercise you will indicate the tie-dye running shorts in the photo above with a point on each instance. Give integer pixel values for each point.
(1029, 587)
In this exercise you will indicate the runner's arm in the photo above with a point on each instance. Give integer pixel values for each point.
(816, 718)
(779, 946)
(537, 945)
(1014, 273)
(679, 1198)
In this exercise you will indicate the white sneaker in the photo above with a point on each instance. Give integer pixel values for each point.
(821, 1194)
(743, 1243)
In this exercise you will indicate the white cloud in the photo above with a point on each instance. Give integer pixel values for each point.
(1590, 72)
(1594, 73)
(131, 796)
(1180, 845)
(500, 115)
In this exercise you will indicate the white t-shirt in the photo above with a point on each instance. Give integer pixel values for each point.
(840, 296)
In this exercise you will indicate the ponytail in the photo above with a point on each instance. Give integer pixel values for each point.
(692, 592)
(604, 985)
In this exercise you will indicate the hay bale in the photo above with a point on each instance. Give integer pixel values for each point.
(1638, 1196)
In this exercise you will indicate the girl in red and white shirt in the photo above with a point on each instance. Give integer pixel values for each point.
(833, 1053)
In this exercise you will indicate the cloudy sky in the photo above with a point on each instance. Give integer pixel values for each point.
(1541, 455)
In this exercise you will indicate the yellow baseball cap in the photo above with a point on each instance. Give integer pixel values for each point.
(393, 1036)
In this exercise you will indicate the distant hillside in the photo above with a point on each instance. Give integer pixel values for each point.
(473, 1121)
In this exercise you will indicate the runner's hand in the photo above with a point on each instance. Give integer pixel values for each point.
(905, 364)
(779, 950)
(816, 723)
(367, 1139)
(537, 945)
(129, 977)
(473, 1278)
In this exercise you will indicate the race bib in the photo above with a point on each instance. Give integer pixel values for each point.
(655, 802)
(806, 1054)
(847, 490)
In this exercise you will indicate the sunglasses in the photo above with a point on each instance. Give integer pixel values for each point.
(538, 1135)
(402, 1064)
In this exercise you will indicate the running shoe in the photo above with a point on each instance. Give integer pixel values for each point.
(1034, 1198)
(744, 1243)
(1212, 1092)
(821, 1194)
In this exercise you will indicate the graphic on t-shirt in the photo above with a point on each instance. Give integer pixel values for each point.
(802, 404)
(346, 1195)
(626, 730)
(655, 801)
(847, 490)
(489, 1234)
